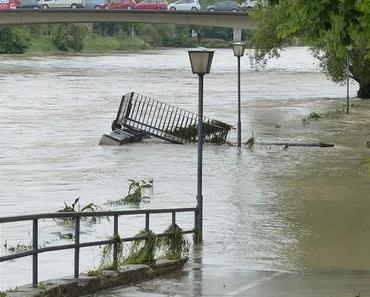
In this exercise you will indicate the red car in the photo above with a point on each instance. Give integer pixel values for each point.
(8, 4)
(118, 4)
(152, 4)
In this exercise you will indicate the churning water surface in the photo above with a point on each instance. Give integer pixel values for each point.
(264, 208)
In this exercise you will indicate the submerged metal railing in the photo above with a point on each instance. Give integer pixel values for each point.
(36, 250)
(167, 122)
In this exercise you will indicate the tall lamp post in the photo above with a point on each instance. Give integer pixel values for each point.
(201, 61)
(238, 49)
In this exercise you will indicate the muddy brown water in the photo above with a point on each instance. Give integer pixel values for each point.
(264, 208)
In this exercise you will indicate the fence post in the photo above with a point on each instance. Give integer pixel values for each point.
(196, 226)
(115, 244)
(35, 238)
(173, 219)
(147, 221)
(77, 247)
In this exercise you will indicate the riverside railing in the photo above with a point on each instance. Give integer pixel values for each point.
(35, 251)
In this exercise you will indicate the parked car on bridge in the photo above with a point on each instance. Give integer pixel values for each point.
(45, 4)
(224, 6)
(118, 4)
(93, 4)
(185, 5)
(153, 4)
(248, 5)
(30, 4)
(8, 4)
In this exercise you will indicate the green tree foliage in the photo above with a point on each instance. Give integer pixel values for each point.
(333, 28)
(69, 37)
(14, 40)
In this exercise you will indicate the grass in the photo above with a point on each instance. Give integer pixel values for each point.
(314, 116)
(42, 286)
(93, 273)
(367, 166)
(3, 294)
(94, 43)
(97, 43)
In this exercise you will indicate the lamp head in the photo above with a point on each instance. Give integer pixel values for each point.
(201, 60)
(238, 48)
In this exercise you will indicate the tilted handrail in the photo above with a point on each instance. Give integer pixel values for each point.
(145, 115)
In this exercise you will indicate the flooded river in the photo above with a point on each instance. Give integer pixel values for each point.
(265, 208)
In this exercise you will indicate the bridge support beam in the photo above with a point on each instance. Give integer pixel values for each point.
(237, 34)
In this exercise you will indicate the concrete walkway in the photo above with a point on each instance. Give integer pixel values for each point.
(224, 281)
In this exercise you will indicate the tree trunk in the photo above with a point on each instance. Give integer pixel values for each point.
(364, 90)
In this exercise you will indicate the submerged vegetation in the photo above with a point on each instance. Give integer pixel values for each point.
(136, 191)
(106, 260)
(174, 242)
(366, 164)
(314, 116)
(145, 249)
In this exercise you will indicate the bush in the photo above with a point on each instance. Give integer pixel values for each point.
(13, 40)
(69, 37)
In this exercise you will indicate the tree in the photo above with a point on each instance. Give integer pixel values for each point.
(333, 29)
(13, 40)
(69, 37)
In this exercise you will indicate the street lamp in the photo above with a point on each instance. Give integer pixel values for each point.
(200, 60)
(238, 49)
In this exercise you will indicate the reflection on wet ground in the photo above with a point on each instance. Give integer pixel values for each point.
(265, 209)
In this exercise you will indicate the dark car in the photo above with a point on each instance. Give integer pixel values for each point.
(30, 4)
(152, 4)
(224, 6)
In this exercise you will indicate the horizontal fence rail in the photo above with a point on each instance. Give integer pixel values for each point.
(76, 217)
(164, 121)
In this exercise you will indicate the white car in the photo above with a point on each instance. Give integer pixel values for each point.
(185, 5)
(45, 4)
(248, 5)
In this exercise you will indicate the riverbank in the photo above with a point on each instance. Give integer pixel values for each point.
(105, 38)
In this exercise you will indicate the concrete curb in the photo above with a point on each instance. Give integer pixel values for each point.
(86, 285)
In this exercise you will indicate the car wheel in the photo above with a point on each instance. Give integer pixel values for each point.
(172, 8)
(45, 6)
(129, 7)
(234, 10)
(74, 6)
(212, 9)
(194, 9)
(97, 7)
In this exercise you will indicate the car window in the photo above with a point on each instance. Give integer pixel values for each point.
(189, 1)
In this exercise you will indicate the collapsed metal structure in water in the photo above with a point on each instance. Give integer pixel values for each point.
(140, 116)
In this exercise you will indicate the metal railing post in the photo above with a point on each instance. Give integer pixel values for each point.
(173, 219)
(147, 221)
(77, 247)
(115, 244)
(35, 237)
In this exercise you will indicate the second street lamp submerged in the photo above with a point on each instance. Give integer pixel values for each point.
(238, 49)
